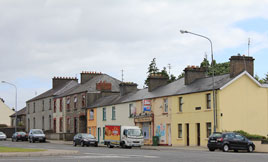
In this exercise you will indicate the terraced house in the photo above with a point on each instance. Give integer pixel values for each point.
(69, 115)
(182, 112)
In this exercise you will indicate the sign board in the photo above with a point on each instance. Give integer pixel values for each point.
(112, 132)
(146, 105)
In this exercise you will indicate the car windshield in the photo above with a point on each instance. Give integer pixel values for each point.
(21, 133)
(217, 135)
(134, 132)
(37, 132)
(87, 136)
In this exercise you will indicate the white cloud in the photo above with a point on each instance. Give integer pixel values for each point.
(42, 39)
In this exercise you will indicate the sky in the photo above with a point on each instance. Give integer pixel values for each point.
(40, 39)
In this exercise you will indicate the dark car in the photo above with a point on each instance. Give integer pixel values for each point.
(229, 141)
(84, 139)
(36, 135)
(22, 136)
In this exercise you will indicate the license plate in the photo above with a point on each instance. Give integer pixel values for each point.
(40, 138)
(212, 141)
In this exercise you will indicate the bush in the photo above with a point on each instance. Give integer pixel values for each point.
(3, 125)
(250, 136)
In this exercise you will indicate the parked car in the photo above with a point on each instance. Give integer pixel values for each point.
(229, 141)
(83, 139)
(36, 135)
(19, 136)
(3, 136)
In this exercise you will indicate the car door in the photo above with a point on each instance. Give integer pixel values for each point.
(79, 139)
(230, 137)
(241, 141)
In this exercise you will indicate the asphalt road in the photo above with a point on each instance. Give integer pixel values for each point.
(101, 154)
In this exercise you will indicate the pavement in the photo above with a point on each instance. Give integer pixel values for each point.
(48, 152)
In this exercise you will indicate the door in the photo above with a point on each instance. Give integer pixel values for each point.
(241, 142)
(145, 130)
(187, 135)
(75, 125)
(99, 134)
(169, 135)
(198, 133)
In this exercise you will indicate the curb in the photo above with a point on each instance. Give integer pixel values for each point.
(49, 152)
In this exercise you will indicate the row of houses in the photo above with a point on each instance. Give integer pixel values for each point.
(179, 113)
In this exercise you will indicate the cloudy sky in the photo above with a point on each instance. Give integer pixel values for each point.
(40, 39)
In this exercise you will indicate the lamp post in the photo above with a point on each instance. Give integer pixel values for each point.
(213, 82)
(15, 102)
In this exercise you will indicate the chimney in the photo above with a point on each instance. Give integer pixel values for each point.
(86, 76)
(240, 63)
(156, 80)
(58, 81)
(194, 72)
(103, 86)
(127, 87)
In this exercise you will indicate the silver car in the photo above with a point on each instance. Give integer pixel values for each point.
(36, 135)
(3, 136)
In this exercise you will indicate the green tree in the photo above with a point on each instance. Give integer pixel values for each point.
(181, 75)
(266, 77)
(152, 69)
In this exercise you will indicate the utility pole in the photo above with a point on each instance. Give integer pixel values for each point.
(122, 75)
(169, 67)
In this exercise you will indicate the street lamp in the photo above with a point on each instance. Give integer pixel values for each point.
(212, 67)
(15, 102)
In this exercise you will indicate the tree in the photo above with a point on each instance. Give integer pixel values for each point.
(181, 75)
(152, 69)
(266, 78)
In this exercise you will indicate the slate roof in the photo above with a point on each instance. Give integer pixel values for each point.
(20, 112)
(90, 86)
(175, 88)
(56, 91)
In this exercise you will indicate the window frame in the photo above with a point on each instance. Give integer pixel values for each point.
(208, 129)
(104, 114)
(179, 130)
(208, 99)
(180, 104)
(165, 105)
(113, 113)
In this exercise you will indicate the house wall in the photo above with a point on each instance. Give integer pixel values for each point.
(39, 113)
(60, 115)
(5, 112)
(122, 118)
(191, 116)
(92, 123)
(243, 106)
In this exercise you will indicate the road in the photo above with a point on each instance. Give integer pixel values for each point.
(100, 154)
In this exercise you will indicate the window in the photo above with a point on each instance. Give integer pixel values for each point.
(104, 113)
(61, 124)
(179, 130)
(91, 115)
(89, 130)
(68, 103)
(60, 104)
(55, 105)
(54, 125)
(132, 110)
(83, 100)
(208, 129)
(208, 101)
(113, 113)
(165, 105)
(49, 104)
(43, 105)
(68, 124)
(28, 110)
(50, 122)
(75, 102)
(34, 107)
(180, 104)
(33, 123)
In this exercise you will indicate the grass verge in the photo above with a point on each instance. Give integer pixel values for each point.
(14, 149)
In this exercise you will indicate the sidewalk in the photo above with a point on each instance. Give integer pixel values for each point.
(49, 152)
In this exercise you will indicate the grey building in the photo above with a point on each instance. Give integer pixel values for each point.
(21, 118)
(39, 110)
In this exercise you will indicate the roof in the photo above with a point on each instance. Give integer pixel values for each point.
(175, 88)
(20, 112)
(90, 86)
(56, 91)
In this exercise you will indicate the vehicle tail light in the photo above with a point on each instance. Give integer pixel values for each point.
(220, 139)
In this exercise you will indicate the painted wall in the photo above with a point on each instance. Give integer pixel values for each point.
(92, 123)
(5, 112)
(243, 106)
(191, 116)
(60, 114)
(122, 117)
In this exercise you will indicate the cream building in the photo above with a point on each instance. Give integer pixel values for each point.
(5, 112)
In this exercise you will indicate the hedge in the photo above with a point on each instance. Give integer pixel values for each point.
(250, 136)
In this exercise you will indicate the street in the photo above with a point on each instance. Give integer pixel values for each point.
(99, 154)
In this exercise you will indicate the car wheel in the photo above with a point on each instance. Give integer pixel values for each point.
(250, 148)
(110, 146)
(82, 144)
(33, 141)
(96, 145)
(29, 140)
(74, 144)
(225, 148)
(211, 149)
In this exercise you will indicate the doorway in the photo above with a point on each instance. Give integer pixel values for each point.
(198, 133)
(169, 134)
(75, 125)
(187, 135)
(99, 134)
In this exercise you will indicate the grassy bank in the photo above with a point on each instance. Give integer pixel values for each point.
(14, 149)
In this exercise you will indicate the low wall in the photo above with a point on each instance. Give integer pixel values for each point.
(260, 147)
(60, 136)
(9, 131)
